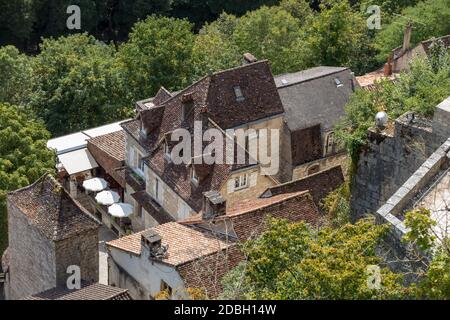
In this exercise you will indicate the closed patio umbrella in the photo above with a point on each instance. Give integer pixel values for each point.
(107, 198)
(95, 184)
(120, 210)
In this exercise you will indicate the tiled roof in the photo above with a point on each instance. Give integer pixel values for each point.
(112, 144)
(95, 291)
(51, 209)
(155, 210)
(248, 217)
(185, 243)
(368, 80)
(426, 44)
(319, 184)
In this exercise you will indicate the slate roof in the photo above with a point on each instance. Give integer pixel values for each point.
(185, 243)
(93, 291)
(311, 97)
(52, 210)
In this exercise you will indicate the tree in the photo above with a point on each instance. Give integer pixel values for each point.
(213, 49)
(78, 84)
(157, 54)
(429, 18)
(435, 281)
(296, 261)
(338, 36)
(24, 156)
(273, 34)
(15, 76)
(420, 90)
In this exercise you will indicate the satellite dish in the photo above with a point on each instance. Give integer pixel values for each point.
(381, 119)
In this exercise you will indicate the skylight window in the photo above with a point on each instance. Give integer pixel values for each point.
(338, 83)
(284, 81)
(238, 93)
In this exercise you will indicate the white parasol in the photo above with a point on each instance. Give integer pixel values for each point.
(95, 184)
(107, 198)
(120, 210)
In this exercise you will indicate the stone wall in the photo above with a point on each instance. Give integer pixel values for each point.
(82, 251)
(31, 258)
(389, 159)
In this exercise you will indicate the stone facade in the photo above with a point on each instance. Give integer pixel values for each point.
(393, 155)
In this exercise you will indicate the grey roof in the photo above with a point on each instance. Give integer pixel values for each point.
(312, 97)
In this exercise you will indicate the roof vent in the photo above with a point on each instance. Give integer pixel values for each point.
(338, 83)
(284, 81)
(238, 93)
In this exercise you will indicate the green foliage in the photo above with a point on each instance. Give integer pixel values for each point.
(338, 36)
(273, 34)
(15, 76)
(24, 156)
(420, 223)
(420, 91)
(429, 18)
(213, 49)
(78, 84)
(295, 261)
(157, 54)
(435, 282)
(337, 204)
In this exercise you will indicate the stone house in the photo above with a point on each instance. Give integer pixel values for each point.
(313, 101)
(88, 291)
(243, 97)
(303, 106)
(402, 56)
(197, 252)
(48, 232)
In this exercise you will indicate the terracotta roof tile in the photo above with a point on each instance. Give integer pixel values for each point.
(112, 144)
(95, 291)
(51, 209)
(185, 243)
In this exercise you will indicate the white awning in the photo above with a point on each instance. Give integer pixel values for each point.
(120, 210)
(77, 161)
(71, 142)
(107, 198)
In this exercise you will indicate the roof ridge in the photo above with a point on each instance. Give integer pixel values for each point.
(312, 78)
(41, 178)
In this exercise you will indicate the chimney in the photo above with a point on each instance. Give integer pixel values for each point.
(214, 205)
(407, 37)
(151, 241)
(387, 70)
(249, 58)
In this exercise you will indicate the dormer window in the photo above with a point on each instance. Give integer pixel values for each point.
(167, 151)
(238, 93)
(241, 182)
(194, 176)
(187, 101)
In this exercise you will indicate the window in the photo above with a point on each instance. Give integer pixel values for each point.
(138, 210)
(338, 83)
(240, 182)
(194, 176)
(167, 151)
(186, 109)
(238, 93)
(166, 289)
(329, 148)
